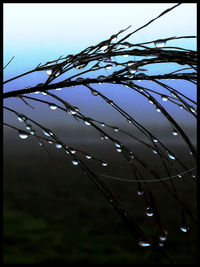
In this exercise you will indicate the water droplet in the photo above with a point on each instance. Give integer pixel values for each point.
(118, 150)
(144, 244)
(116, 129)
(101, 78)
(44, 93)
(52, 106)
(155, 140)
(158, 109)
(150, 101)
(58, 89)
(103, 47)
(73, 151)
(58, 145)
(174, 132)
(179, 176)
(117, 144)
(28, 127)
(129, 121)
(181, 106)
(164, 98)
(104, 164)
(32, 132)
(23, 135)
(149, 212)
(67, 151)
(72, 111)
(46, 132)
(173, 94)
(57, 73)
(80, 67)
(87, 123)
(154, 151)
(109, 66)
(160, 244)
(50, 142)
(110, 102)
(75, 162)
(21, 118)
(193, 109)
(159, 44)
(139, 80)
(171, 156)
(184, 228)
(162, 238)
(126, 55)
(49, 72)
(106, 137)
(102, 124)
(37, 92)
(132, 70)
(140, 193)
(94, 93)
(88, 157)
(80, 79)
(126, 45)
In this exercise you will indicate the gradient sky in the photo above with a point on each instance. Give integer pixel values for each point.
(35, 33)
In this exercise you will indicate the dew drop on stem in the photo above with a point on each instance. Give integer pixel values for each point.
(149, 212)
(164, 98)
(184, 228)
(52, 106)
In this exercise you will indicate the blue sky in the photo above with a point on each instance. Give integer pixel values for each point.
(35, 33)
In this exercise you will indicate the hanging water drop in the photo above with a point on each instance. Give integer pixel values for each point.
(174, 132)
(103, 47)
(126, 55)
(73, 151)
(144, 244)
(171, 156)
(179, 176)
(32, 132)
(104, 164)
(101, 78)
(58, 145)
(158, 109)
(75, 162)
(23, 135)
(118, 150)
(102, 124)
(94, 93)
(154, 151)
(44, 93)
(49, 72)
(21, 118)
(28, 127)
(160, 244)
(159, 44)
(52, 106)
(88, 157)
(116, 129)
(184, 228)
(87, 123)
(164, 98)
(46, 133)
(140, 193)
(109, 66)
(155, 140)
(129, 121)
(58, 89)
(117, 144)
(149, 212)
(150, 101)
(181, 106)
(110, 102)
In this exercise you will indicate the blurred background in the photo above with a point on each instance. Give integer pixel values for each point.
(52, 211)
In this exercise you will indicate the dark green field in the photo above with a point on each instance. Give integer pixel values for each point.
(52, 217)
